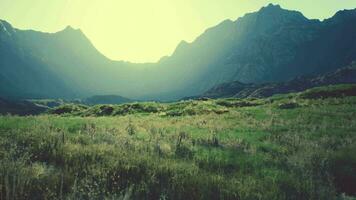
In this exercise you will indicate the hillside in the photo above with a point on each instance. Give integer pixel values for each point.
(237, 89)
(21, 108)
(272, 44)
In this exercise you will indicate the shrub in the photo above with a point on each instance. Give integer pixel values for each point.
(236, 103)
(67, 109)
(106, 110)
(289, 105)
(131, 128)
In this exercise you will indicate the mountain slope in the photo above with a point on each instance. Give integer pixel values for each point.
(20, 107)
(271, 44)
(346, 75)
(24, 75)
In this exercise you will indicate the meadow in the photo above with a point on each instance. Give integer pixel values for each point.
(295, 146)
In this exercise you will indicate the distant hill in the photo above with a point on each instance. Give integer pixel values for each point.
(237, 89)
(106, 99)
(272, 44)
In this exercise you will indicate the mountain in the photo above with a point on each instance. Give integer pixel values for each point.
(272, 44)
(106, 99)
(24, 75)
(345, 75)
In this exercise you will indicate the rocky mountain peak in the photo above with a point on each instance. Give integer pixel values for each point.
(5, 27)
(271, 8)
(71, 31)
(273, 12)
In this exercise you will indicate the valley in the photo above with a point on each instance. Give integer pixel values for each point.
(261, 107)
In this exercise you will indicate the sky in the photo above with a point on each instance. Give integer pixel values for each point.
(145, 30)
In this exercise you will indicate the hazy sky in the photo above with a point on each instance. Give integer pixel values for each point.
(145, 30)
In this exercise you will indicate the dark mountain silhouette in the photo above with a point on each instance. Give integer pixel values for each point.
(272, 44)
(22, 73)
(345, 75)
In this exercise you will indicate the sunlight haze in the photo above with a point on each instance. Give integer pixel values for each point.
(144, 31)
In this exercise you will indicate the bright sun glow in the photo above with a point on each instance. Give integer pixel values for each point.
(141, 30)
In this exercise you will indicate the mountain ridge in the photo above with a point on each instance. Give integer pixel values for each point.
(272, 44)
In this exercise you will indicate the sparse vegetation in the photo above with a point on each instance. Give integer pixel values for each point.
(251, 150)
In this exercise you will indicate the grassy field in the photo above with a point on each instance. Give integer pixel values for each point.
(296, 146)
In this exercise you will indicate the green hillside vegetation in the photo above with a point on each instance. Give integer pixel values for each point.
(162, 109)
(198, 107)
(293, 146)
(106, 99)
(330, 91)
(236, 89)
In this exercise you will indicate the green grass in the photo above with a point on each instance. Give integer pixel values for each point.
(215, 149)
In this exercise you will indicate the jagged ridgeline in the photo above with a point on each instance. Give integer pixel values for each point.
(272, 44)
